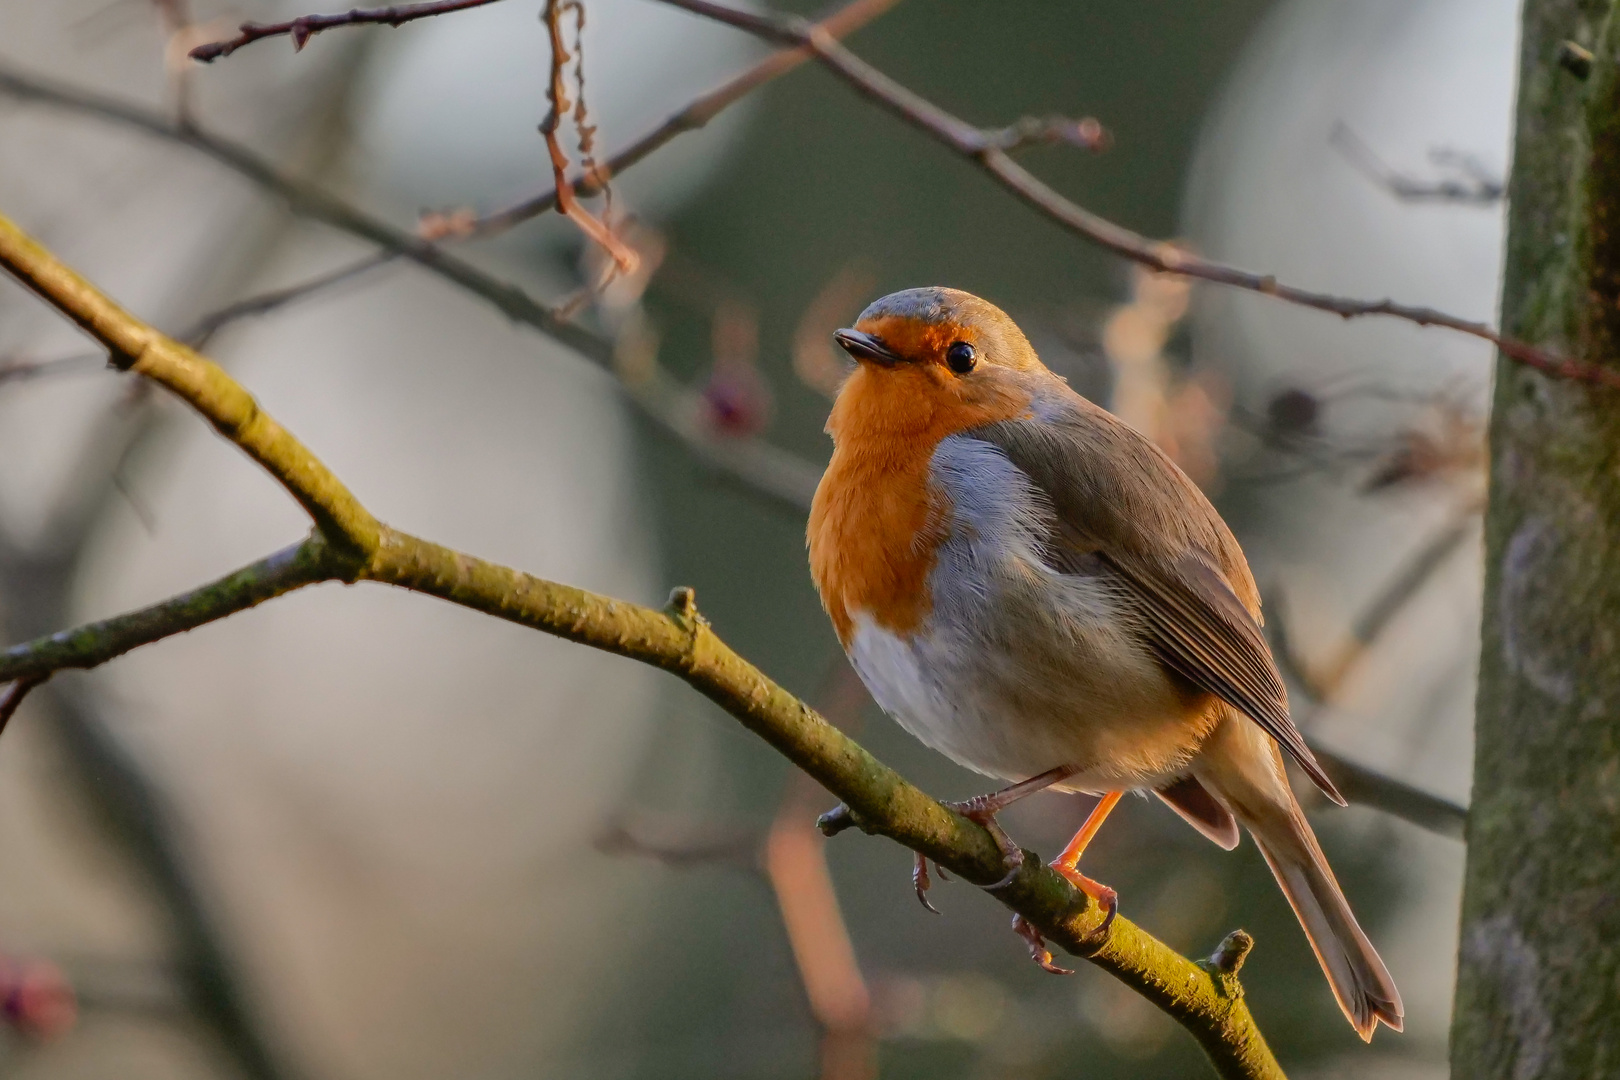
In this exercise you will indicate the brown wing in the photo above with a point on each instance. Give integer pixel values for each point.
(1119, 502)
(1201, 631)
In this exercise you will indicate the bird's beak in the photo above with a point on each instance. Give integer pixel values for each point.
(865, 348)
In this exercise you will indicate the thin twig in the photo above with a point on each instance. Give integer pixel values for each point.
(205, 328)
(23, 370)
(350, 543)
(694, 115)
(1369, 787)
(1321, 684)
(1480, 189)
(305, 27)
(13, 696)
(600, 232)
(770, 472)
(795, 864)
(981, 147)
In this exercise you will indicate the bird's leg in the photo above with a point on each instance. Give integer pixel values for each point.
(1066, 863)
(984, 808)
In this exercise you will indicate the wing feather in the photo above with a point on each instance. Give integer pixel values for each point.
(1120, 502)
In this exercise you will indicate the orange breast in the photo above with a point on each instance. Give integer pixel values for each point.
(877, 519)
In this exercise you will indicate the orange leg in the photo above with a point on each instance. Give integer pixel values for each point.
(1067, 862)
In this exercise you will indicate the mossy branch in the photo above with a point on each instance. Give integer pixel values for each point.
(349, 544)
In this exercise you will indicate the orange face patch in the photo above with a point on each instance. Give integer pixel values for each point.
(877, 519)
(917, 341)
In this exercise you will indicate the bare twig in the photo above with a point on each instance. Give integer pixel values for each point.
(771, 473)
(204, 329)
(1322, 684)
(682, 847)
(13, 695)
(1087, 133)
(351, 544)
(693, 116)
(20, 370)
(1369, 787)
(982, 148)
(305, 27)
(1479, 188)
(795, 863)
(599, 231)
(792, 861)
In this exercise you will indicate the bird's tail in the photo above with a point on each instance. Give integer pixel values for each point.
(1360, 981)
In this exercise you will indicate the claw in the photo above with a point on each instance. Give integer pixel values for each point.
(920, 882)
(982, 809)
(1038, 951)
(1105, 897)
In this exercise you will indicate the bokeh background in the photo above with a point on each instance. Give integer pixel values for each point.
(355, 834)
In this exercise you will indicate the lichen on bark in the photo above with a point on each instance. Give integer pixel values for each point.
(1538, 991)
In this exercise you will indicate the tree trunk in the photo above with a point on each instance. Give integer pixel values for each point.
(1538, 987)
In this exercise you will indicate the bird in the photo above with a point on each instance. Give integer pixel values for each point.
(1031, 587)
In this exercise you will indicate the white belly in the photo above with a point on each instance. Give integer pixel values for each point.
(1119, 729)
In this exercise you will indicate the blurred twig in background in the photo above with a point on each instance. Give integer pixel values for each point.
(1476, 186)
(791, 860)
(307, 26)
(983, 148)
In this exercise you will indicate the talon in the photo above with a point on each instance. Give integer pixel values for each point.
(981, 809)
(1038, 951)
(1017, 864)
(920, 882)
(1105, 897)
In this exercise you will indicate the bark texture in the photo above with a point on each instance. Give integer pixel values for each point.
(1538, 991)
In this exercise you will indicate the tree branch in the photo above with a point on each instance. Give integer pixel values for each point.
(983, 148)
(350, 544)
(694, 115)
(95, 643)
(305, 27)
(770, 472)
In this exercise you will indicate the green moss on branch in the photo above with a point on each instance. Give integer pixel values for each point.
(95, 643)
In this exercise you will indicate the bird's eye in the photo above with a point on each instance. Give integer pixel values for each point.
(961, 357)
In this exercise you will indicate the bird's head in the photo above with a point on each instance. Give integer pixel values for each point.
(932, 360)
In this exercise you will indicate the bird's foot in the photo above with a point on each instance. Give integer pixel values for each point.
(1038, 951)
(1105, 897)
(982, 810)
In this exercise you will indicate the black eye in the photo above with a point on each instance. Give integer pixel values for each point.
(961, 357)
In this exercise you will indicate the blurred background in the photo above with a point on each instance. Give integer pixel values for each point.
(359, 834)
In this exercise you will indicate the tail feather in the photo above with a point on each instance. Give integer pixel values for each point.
(1242, 767)
(1362, 984)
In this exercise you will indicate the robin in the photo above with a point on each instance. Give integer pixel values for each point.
(1032, 588)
